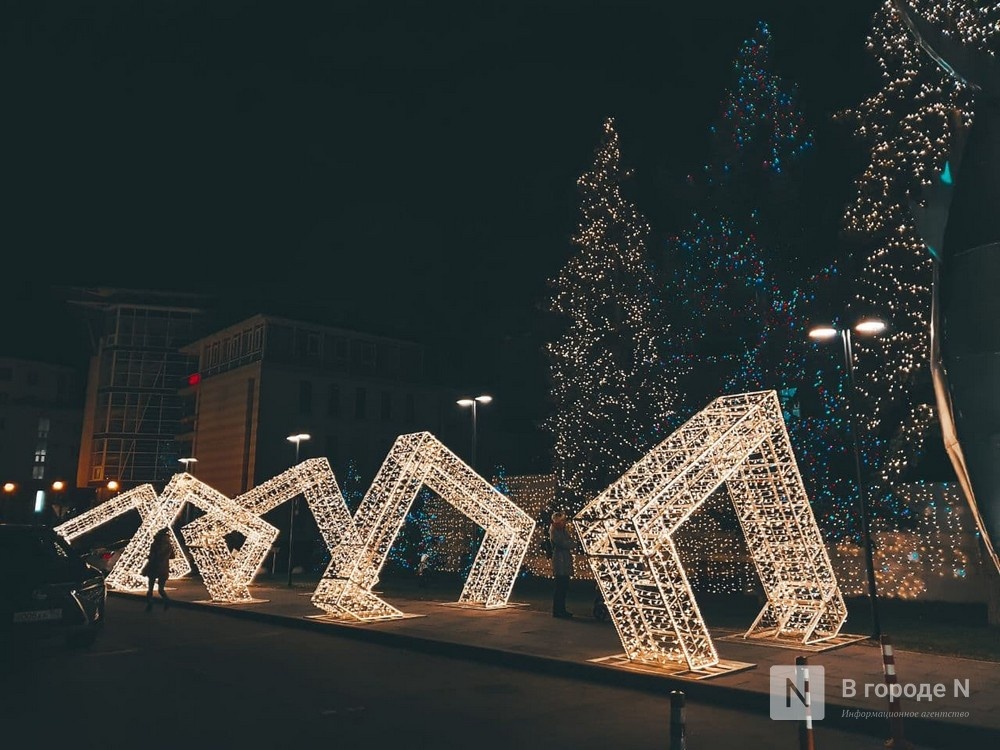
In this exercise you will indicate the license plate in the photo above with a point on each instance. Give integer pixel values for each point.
(38, 615)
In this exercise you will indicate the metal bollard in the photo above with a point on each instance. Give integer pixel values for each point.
(806, 739)
(897, 741)
(678, 740)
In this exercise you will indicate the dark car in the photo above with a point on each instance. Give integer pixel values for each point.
(105, 556)
(46, 588)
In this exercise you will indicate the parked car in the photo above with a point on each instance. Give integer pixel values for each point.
(46, 588)
(105, 556)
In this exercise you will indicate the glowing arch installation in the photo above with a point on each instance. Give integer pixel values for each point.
(628, 535)
(416, 460)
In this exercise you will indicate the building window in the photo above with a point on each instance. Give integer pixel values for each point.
(305, 397)
(341, 349)
(410, 409)
(38, 472)
(333, 402)
(40, 454)
(258, 338)
(43, 427)
(32, 378)
(312, 344)
(234, 348)
(367, 353)
(360, 396)
(386, 405)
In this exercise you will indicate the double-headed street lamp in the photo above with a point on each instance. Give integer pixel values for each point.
(865, 327)
(473, 402)
(298, 440)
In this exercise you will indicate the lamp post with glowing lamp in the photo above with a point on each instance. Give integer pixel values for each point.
(297, 439)
(474, 402)
(865, 327)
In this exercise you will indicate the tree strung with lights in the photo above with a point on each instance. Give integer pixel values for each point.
(743, 299)
(611, 396)
(728, 275)
(909, 126)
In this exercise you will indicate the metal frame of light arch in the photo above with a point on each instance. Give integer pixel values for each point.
(628, 535)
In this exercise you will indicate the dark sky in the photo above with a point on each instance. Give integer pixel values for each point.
(401, 167)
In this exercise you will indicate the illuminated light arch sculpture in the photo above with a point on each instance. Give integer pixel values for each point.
(416, 460)
(628, 534)
(314, 479)
(142, 499)
(226, 573)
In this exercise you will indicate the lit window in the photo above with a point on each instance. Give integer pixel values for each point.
(43, 427)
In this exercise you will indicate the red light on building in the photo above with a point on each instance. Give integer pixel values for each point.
(194, 378)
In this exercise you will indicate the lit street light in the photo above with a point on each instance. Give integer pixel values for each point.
(297, 439)
(868, 327)
(473, 402)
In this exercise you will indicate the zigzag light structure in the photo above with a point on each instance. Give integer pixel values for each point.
(416, 460)
(142, 499)
(628, 535)
(314, 479)
(225, 572)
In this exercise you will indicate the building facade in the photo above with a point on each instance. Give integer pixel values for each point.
(132, 410)
(264, 378)
(40, 417)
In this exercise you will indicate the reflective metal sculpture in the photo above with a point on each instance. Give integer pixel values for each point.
(417, 460)
(960, 225)
(142, 499)
(628, 533)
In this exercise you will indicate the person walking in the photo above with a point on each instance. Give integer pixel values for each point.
(562, 562)
(157, 568)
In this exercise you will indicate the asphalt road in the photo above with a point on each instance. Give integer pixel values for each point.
(185, 679)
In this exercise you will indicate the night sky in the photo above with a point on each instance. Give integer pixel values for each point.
(405, 168)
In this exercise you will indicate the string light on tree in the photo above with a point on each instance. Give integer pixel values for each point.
(611, 398)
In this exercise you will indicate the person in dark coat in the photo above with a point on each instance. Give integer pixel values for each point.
(157, 568)
(562, 562)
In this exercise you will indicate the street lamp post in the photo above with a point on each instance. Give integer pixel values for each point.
(297, 439)
(189, 463)
(869, 327)
(473, 402)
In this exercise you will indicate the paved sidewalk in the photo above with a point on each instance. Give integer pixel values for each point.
(527, 636)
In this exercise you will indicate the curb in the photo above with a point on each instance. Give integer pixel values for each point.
(931, 732)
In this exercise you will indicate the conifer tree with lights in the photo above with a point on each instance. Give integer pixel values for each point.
(611, 397)
(742, 298)
(910, 126)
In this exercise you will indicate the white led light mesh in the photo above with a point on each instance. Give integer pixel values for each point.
(225, 572)
(312, 478)
(416, 460)
(142, 499)
(627, 533)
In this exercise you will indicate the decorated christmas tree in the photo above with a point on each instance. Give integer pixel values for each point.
(611, 395)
